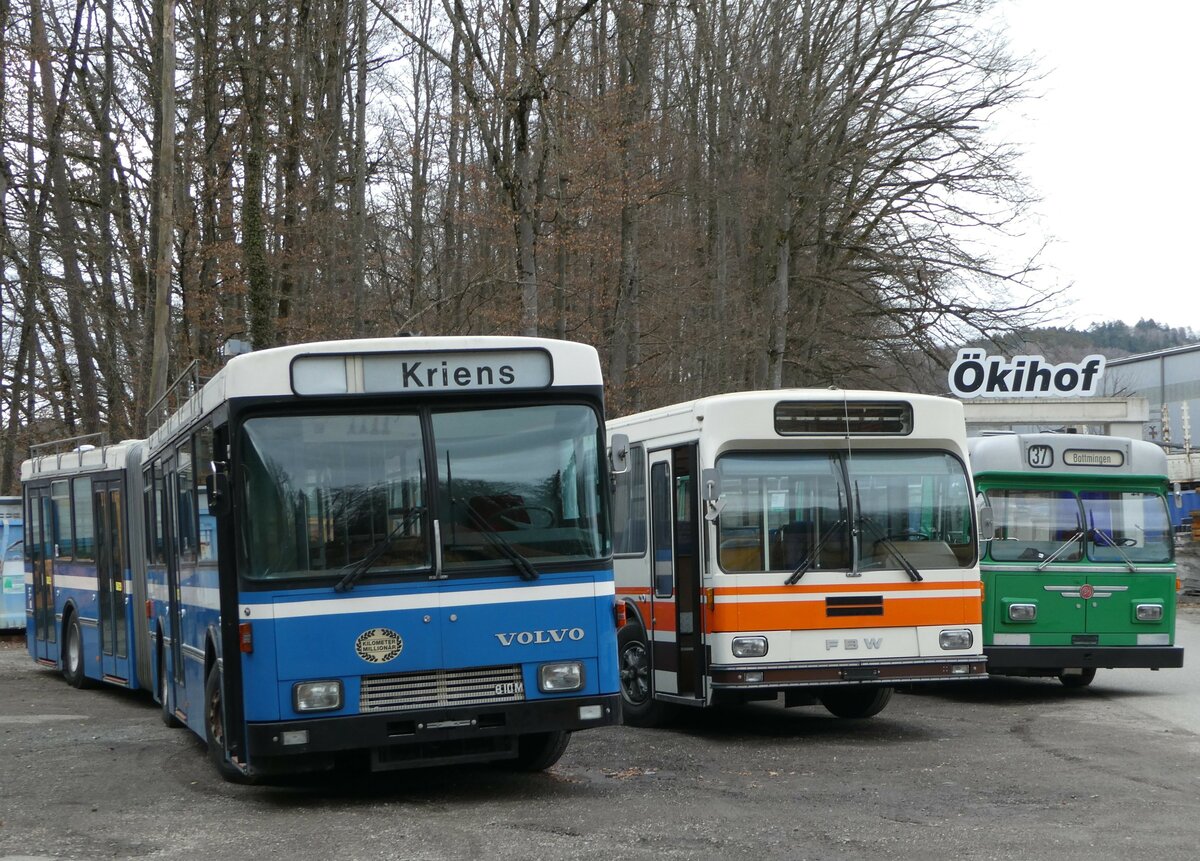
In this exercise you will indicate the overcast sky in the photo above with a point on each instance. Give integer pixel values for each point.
(1111, 147)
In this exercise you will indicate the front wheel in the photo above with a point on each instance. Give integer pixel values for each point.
(1078, 680)
(540, 750)
(72, 654)
(856, 703)
(638, 706)
(214, 729)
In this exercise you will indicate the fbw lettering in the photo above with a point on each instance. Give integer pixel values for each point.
(419, 375)
(851, 645)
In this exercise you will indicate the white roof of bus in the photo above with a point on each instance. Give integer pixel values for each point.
(1007, 453)
(81, 460)
(751, 415)
(269, 372)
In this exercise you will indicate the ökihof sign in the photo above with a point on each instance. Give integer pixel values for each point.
(975, 374)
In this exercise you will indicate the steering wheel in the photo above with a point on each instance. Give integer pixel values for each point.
(545, 519)
(909, 535)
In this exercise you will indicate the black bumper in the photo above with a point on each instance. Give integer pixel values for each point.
(463, 734)
(1001, 658)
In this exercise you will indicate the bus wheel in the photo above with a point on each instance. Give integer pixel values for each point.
(72, 655)
(1078, 680)
(855, 703)
(214, 729)
(168, 716)
(540, 750)
(638, 707)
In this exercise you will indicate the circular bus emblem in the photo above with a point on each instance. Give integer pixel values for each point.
(378, 645)
(1086, 590)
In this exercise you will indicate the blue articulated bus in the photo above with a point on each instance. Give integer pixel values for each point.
(390, 550)
(12, 567)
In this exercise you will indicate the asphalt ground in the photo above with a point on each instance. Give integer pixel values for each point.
(997, 769)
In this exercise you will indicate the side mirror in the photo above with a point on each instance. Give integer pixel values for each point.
(1178, 494)
(987, 523)
(710, 493)
(618, 453)
(220, 501)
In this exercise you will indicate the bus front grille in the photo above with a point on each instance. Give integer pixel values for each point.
(441, 688)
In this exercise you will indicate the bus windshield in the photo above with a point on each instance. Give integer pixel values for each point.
(323, 493)
(1099, 525)
(783, 510)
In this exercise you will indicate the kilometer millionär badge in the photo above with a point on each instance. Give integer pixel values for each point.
(378, 645)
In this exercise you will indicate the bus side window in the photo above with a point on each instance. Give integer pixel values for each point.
(185, 545)
(61, 498)
(85, 542)
(629, 506)
(157, 519)
(207, 535)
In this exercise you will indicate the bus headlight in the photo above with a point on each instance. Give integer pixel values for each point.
(749, 647)
(1022, 612)
(958, 638)
(556, 678)
(1149, 612)
(323, 696)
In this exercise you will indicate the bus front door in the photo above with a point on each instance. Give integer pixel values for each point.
(111, 564)
(678, 642)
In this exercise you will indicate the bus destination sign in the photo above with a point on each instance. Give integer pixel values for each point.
(1093, 457)
(417, 373)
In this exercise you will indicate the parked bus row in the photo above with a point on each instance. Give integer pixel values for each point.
(402, 551)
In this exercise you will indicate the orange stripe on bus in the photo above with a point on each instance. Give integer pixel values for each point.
(811, 615)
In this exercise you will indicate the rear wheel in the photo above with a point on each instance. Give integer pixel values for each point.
(214, 729)
(856, 703)
(72, 654)
(1078, 680)
(638, 706)
(540, 750)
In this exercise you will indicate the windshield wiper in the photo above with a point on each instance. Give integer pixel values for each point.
(1108, 539)
(803, 567)
(359, 568)
(1058, 551)
(891, 548)
(524, 566)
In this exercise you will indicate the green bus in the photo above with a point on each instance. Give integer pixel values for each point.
(1079, 572)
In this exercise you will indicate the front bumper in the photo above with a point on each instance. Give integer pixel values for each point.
(890, 671)
(1002, 658)
(398, 739)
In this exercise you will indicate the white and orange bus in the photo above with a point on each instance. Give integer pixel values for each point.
(819, 544)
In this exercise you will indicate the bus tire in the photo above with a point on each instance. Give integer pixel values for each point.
(540, 750)
(168, 716)
(214, 729)
(638, 706)
(1081, 680)
(856, 703)
(72, 653)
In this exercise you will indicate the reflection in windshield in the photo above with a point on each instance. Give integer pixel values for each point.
(1129, 526)
(528, 476)
(322, 491)
(780, 506)
(1032, 524)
